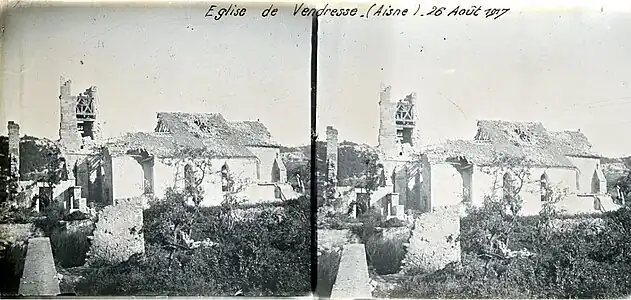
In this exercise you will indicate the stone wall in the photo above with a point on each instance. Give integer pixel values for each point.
(118, 234)
(352, 279)
(434, 241)
(39, 277)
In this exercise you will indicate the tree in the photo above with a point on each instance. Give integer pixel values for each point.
(499, 217)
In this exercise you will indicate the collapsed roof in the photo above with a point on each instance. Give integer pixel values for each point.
(203, 131)
(528, 140)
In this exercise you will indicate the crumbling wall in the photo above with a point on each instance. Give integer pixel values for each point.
(434, 242)
(118, 234)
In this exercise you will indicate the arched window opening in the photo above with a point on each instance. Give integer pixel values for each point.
(545, 187)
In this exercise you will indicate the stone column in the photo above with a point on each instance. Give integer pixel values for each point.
(14, 148)
(331, 153)
(96, 129)
(387, 126)
(68, 132)
(331, 161)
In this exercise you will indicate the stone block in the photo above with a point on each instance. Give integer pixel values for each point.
(434, 242)
(118, 234)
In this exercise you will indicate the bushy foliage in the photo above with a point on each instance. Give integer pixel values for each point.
(506, 255)
(70, 248)
(36, 156)
(12, 257)
(585, 260)
(385, 256)
(15, 214)
(262, 251)
(352, 161)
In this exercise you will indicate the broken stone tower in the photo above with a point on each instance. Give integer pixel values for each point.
(79, 130)
(397, 124)
(79, 114)
(14, 148)
(387, 130)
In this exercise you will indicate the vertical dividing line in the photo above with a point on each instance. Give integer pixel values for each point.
(313, 181)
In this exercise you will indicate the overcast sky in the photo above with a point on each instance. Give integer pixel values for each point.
(570, 69)
(145, 60)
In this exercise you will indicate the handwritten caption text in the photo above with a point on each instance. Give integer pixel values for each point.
(218, 12)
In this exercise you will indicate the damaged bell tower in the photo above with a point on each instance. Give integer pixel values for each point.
(79, 116)
(397, 123)
(405, 120)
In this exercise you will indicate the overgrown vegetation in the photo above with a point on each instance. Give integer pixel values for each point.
(506, 255)
(216, 251)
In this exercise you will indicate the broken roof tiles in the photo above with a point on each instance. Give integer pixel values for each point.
(528, 140)
(208, 131)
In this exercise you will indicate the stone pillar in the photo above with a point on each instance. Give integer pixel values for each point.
(68, 133)
(96, 129)
(387, 126)
(14, 148)
(331, 154)
(416, 138)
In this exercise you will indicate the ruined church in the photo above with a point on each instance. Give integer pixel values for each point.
(425, 177)
(220, 157)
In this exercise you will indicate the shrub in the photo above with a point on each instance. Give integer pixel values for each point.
(70, 247)
(328, 264)
(586, 260)
(385, 255)
(11, 265)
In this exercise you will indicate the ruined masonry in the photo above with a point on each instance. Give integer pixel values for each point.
(118, 233)
(434, 242)
(331, 158)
